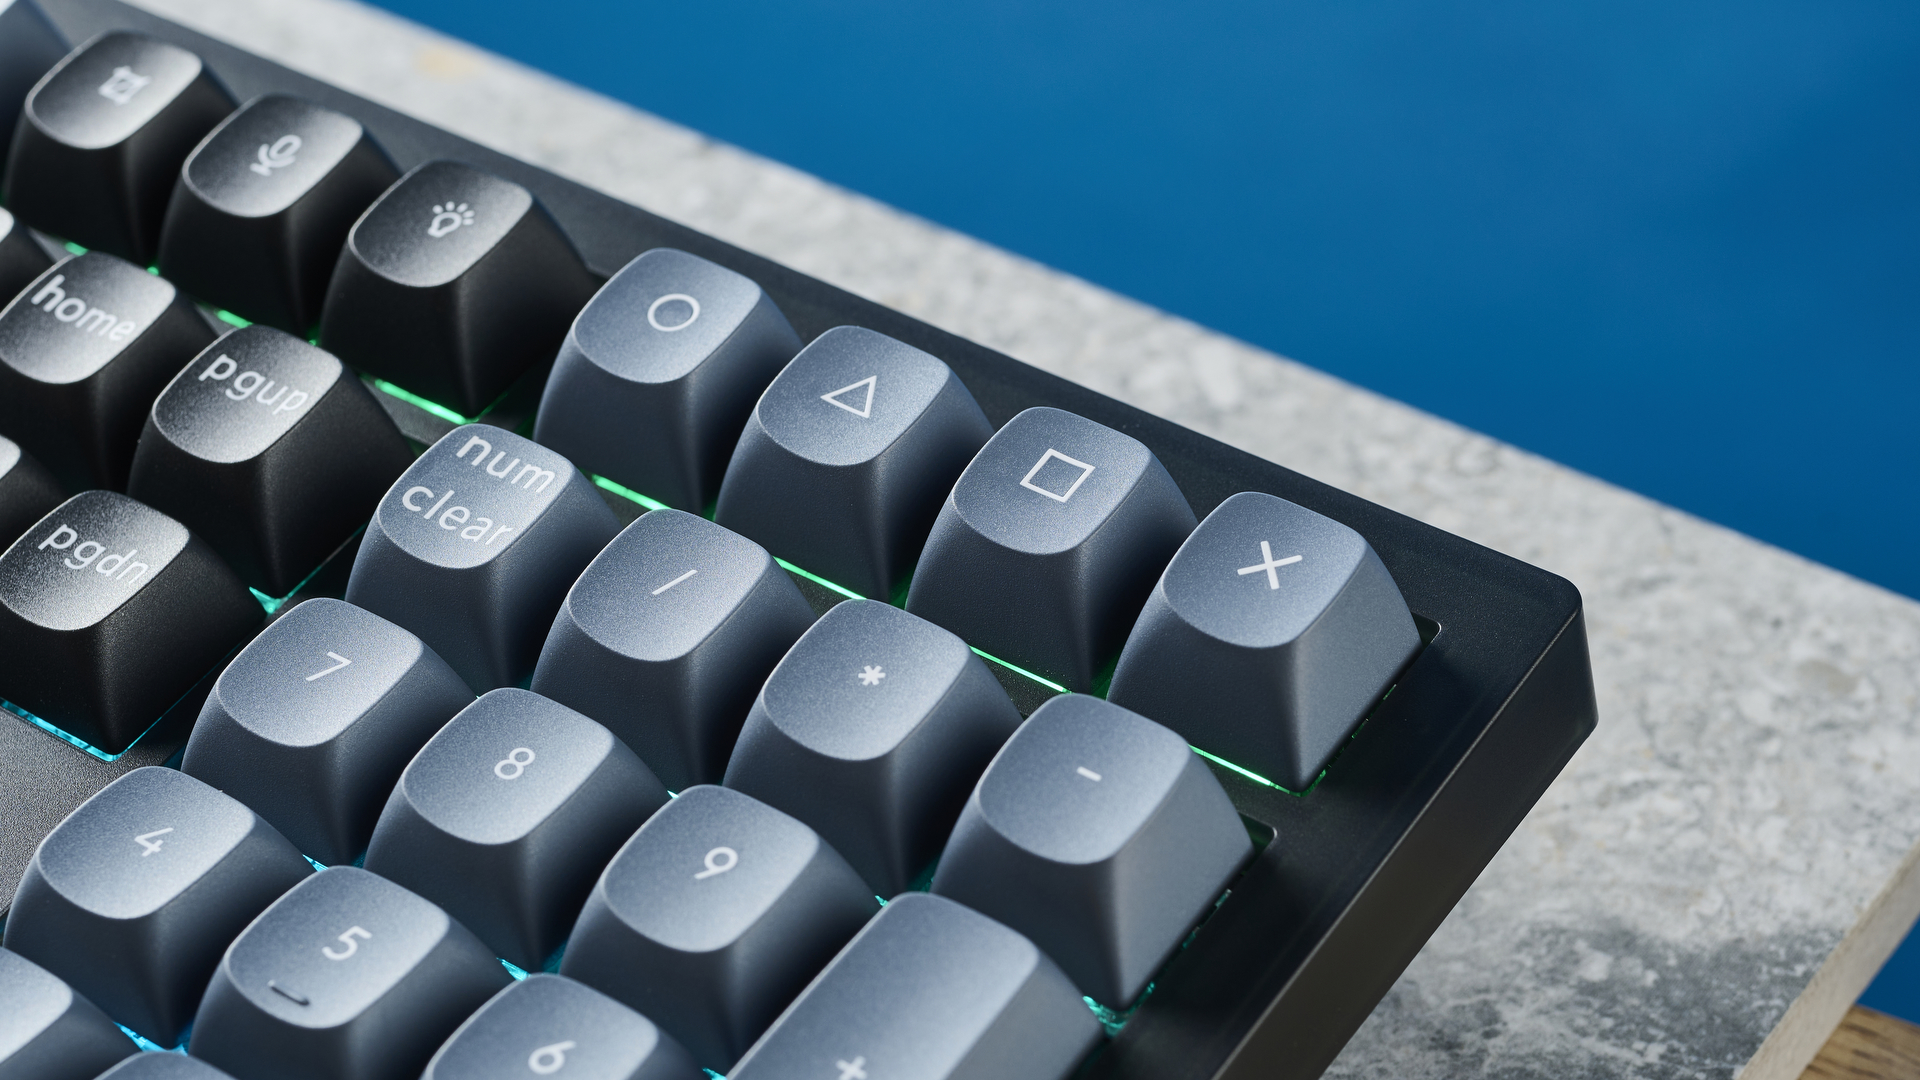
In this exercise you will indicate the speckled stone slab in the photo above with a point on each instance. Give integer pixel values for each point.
(1722, 867)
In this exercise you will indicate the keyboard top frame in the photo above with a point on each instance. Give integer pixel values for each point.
(1363, 868)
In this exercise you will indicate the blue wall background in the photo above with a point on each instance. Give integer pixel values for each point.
(1674, 245)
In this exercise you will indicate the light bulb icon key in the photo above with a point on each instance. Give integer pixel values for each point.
(448, 217)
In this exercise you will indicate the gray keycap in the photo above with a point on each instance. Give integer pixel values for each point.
(272, 450)
(659, 373)
(347, 977)
(872, 428)
(712, 918)
(506, 817)
(453, 283)
(1049, 543)
(666, 637)
(930, 991)
(545, 1025)
(1295, 624)
(872, 730)
(1098, 834)
(152, 1066)
(132, 898)
(48, 1032)
(84, 350)
(311, 724)
(109, 612)
(473, 549)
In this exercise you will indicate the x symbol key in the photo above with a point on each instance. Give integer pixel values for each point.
(1269, 565)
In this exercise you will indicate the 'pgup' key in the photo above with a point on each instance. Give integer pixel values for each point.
(272, 450)
(473, 549)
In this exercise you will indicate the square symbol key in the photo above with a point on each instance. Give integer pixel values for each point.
(1058, 476)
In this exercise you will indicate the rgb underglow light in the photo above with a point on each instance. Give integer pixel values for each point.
(417, 401)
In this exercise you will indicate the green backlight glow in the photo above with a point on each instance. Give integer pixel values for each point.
(1249, 774)
(231, 319)
(75, 248)
(1018, 670)
(72, 739)
(416, 400)
(818, 580)
(628, 493)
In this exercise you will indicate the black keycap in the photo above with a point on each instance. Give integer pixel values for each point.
(452, 284)
(1294, 626)
(346, 977)
(135, 895)
(84, 350)
(312, 723)
(659, 373)
(109, 611)
(846, 459)
(163, 1067)
(1098, 834)
(872, 730)
(272, 450)
(21, 258)
(27, 491)
(29, 45)
(666, 637)
(507, 816)
(929, 991)
(101, 140)
(49, 1032)
(1049, 544)
(546, 1025)
(713, 917)
(262, 208)
(473, 548)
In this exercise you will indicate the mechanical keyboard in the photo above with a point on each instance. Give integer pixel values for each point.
(456, 624)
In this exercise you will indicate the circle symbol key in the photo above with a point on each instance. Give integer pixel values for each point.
(718, 861)
(513, 764)
(670, 319)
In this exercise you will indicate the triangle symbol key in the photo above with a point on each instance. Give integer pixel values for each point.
(865, 411)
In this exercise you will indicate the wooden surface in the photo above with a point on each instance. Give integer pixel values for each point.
(1868, 1045)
